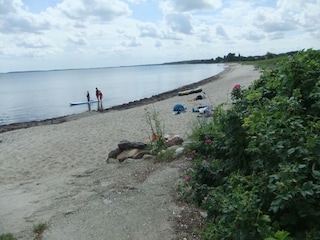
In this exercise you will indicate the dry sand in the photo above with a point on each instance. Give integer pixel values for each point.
(58, 174)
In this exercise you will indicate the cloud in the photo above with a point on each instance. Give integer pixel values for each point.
(190, 5)
(179, 22)
(308, 18)
(77, 40)
(23, 23)
(276, 26)
(221, 32)
(35, 42)
(14, 19)
(148, 30)
(289, 16)
(136, 1)
(130, 41)
(270, 21)
(205, 34)
(28, 46)
(96, 10)
(157, 44)
(10, 6)
(253, 36)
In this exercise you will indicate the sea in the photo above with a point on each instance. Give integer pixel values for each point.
(40, 95)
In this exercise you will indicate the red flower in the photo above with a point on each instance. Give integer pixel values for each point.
(208, 141)
(235, 87)
(187, 178)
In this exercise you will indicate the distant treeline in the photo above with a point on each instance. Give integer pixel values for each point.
(232, 57)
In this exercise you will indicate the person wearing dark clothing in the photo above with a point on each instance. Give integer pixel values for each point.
(88, 96)
(97, 93)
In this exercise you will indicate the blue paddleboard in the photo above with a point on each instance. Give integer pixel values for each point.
(85, 102)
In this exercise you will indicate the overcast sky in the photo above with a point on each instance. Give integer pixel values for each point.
(55, 34)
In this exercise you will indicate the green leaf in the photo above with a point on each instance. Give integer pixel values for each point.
(291, 151)
(282, 235)
(315, 173)
(265, 218)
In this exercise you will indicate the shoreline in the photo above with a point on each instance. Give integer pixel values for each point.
(124, 106)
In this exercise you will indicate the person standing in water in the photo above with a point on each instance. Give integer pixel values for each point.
(97, 93)
(99, 96)
(88, 96)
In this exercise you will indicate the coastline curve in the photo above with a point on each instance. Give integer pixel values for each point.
(132, 104)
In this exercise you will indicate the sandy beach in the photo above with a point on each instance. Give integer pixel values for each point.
(57, 173)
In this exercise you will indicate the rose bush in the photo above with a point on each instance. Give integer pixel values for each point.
(258, 163)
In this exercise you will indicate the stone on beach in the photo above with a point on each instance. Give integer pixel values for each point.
(126, 145)
(176, 140)
(127, 154)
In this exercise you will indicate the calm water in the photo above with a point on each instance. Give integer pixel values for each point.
(28, 96)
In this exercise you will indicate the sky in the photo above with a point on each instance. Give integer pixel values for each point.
(64, 34)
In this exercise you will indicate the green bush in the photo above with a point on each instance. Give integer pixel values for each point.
(257, 170)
